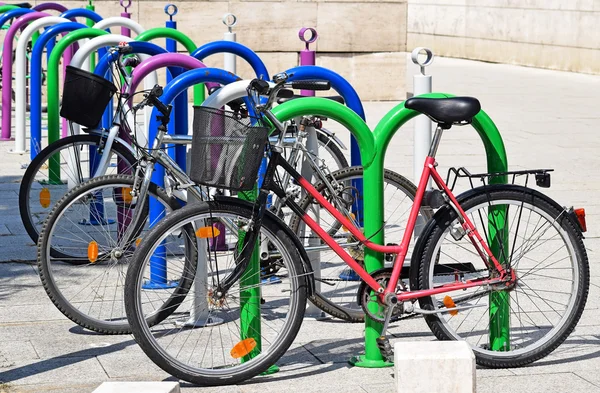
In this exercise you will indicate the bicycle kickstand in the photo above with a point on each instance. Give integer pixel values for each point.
(383, 343)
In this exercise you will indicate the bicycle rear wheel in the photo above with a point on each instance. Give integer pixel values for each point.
(207, 339)
(58, 168)
(87, 228)
(530, 234)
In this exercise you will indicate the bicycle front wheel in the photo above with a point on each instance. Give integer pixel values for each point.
(529, 234)
(211, 338)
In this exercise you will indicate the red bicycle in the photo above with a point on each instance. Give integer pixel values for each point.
(502, 267)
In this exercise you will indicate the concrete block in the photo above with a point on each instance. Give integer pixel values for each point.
(434, 366)
(138, 387)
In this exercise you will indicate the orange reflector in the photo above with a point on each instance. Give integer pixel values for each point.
(45, 197)
(93, 251)
(243, 348)
(138, 241)
(580, 214)
(449, 303)
(352, 217)
(207, 232)
(126, 195)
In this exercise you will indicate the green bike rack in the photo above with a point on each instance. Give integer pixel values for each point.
(188, 44)
(53, 91)
(372, 148)
(90, 23)
(4, 8)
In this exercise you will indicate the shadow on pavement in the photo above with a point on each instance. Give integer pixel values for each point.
(60, 361)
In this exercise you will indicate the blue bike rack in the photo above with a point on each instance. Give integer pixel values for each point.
(238, 49)
(177, 86)
(35, 85)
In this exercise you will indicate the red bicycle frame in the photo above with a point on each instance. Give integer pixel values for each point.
(429, 170)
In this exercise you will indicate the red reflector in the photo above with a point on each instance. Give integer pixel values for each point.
(580, 213)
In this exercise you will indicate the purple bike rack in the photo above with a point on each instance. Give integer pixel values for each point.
(7, 67)
(125, 14)
(308, 57)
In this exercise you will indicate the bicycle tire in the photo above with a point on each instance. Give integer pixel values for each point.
(320, 298)
(59, 287)
(216, 374)
(32, 224)
(525, 344)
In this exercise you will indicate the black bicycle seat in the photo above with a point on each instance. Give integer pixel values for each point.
(334, 98)
(446, 111)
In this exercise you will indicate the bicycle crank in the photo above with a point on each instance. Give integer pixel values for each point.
(368, 299)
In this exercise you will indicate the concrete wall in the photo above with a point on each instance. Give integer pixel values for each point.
(364, 41)
(556, 34)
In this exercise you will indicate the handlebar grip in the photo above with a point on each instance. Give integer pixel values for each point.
(310, 85)
(152, 98)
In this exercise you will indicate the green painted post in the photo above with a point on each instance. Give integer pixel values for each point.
(7, 7)
(499, 335)
(53, 91)
(165, 32)
(250, 326)
(90, 23)
(496, 162)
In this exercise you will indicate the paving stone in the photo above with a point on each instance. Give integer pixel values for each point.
(147, 387)
(16, 351)
(557, 382)
(55, 371)
(4, 230)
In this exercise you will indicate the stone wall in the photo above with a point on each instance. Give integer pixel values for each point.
(556, 34)
(364, 41)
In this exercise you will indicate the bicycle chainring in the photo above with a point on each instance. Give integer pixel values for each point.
(366, 295)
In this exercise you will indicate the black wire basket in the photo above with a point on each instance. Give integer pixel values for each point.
(226, 149)
(85, 97)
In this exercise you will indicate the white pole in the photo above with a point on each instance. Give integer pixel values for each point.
(422, 133)
(21, 78)
(229, 59)
(312, 145)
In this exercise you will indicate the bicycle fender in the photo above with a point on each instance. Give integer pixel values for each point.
(331, 135)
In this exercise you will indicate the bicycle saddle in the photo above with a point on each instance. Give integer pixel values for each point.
(22, 5)
(334, 98)
(446, 111)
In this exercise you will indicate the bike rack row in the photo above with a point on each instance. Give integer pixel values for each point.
(187, 71)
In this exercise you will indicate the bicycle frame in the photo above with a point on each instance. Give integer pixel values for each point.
(429, 171)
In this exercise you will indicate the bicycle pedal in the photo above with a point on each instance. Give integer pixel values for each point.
(387, 352)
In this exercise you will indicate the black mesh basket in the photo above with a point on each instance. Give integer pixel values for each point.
(85, 96)
(226, 149)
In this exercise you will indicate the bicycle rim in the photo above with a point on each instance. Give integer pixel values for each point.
(44, 184)
(542, 246)
(87, 228)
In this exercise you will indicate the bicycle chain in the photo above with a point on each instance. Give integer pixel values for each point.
(437, 275)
